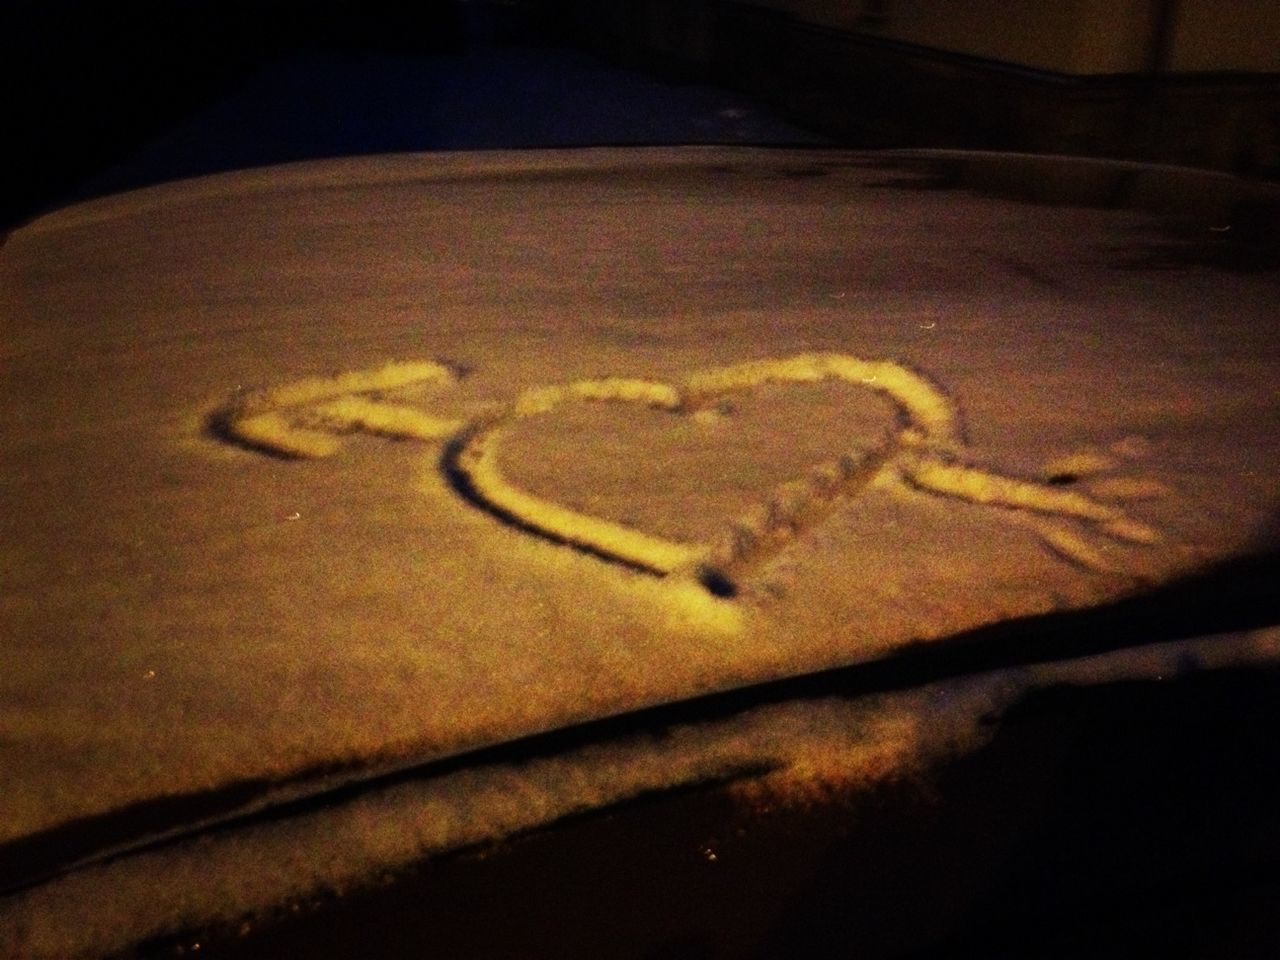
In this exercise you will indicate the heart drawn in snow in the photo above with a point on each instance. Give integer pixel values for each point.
(306, 418)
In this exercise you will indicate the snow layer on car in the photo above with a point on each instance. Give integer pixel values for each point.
(189, 603)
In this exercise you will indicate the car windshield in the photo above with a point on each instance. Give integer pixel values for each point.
(530, 478)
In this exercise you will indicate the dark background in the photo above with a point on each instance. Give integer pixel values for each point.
(87, 81)
(91, 86)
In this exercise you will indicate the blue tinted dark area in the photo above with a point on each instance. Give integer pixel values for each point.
(138, 93)
(339, 104)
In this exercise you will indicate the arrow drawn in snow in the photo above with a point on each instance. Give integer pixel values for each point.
(924, 451)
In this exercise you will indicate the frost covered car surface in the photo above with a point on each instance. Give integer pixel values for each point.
(371, 509)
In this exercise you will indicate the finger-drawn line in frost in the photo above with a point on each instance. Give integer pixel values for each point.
(308, 418)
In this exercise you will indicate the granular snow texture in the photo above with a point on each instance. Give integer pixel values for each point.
(332, 468)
